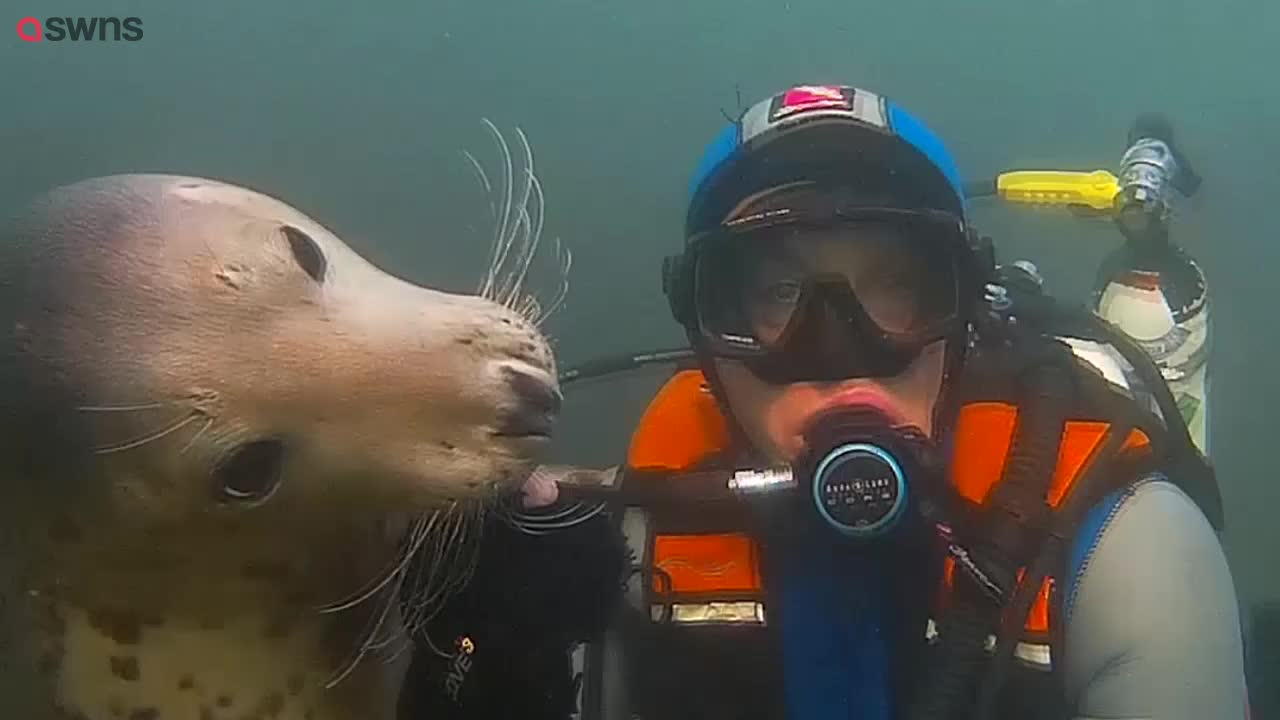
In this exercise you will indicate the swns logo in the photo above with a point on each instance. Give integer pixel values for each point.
(80, 29)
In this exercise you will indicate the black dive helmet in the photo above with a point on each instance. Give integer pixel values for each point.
(822, 158)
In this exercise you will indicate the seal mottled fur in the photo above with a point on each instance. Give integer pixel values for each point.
(214, 411)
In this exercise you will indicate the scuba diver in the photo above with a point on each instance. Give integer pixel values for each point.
(893, 478)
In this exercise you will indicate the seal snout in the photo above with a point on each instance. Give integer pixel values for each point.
(537, 403)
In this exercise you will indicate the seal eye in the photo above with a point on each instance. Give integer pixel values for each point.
(251, 472)
(308, 254)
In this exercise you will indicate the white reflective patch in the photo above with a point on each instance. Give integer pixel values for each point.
(1035, 655)
(869, 108)
(717, 613)
(755, 121)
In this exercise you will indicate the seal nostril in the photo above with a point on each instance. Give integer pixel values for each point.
(539, 394)
(539, 404)
(306, 252)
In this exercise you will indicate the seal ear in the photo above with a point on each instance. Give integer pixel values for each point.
(308, 254)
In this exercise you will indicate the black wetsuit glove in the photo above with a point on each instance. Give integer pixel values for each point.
(509, 633)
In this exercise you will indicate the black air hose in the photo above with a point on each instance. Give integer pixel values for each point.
(1017, 507)
(961, 652)
(1018, 501)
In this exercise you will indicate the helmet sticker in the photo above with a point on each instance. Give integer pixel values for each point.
(806, 101)
(812, 97)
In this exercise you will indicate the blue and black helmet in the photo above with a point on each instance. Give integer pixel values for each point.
(822, 155)
(826, 134)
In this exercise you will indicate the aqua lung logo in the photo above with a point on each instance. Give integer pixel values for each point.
(80, 29)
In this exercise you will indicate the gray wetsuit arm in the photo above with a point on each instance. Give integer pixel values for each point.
(1152, 623)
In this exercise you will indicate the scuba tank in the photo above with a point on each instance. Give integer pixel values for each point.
(1150, 288)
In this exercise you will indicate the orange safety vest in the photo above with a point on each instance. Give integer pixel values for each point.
(683, 427)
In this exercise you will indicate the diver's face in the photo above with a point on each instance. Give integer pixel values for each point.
(775, 416)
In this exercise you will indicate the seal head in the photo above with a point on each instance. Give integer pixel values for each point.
(214, 412)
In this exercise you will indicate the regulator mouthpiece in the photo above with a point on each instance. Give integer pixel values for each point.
(859, 470)
(860, 490)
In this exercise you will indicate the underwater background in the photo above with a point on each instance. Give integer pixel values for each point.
(358, 115)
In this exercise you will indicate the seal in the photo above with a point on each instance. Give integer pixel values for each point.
(218, 418)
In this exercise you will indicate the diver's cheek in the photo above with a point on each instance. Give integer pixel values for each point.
(917, 390)
(932, 363)
(794, 409)
(759, 408)
(782, 422)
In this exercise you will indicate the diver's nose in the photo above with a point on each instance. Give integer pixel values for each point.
(537, 403)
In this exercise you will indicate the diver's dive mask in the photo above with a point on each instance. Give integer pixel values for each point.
(798, 295)
(858, 476)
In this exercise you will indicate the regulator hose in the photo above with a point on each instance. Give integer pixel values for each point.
(986, 579)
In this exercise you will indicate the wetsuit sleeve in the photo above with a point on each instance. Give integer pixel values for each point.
(1152, 623)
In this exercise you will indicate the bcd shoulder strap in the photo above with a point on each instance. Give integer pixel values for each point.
(1005, 547)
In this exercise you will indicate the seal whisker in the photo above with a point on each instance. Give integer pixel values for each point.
(379, 620)
(566, 263)
(438, 581)
(369, 643)
(415, 578)
(486, 282)
(379, 581)
(563, 520)
(139, 442)
(563, 257)
(406, 644)
(421, 531)
(508, 178)
(529, 308)
(424, 612)
(371, 637)
(484, 182)
(432, 645)
(519, 216)
(557, 515)
(533, 234)
(122, 408)
(502, 243)
(346, 668)
(450, 565)
(530, 179)
(574, 522)
(528, 237)
(519, 231)
(208, 424)
(513, 223)
(419, 598)
(517, 228)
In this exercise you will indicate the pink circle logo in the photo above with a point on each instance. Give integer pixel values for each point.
(29, 29)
